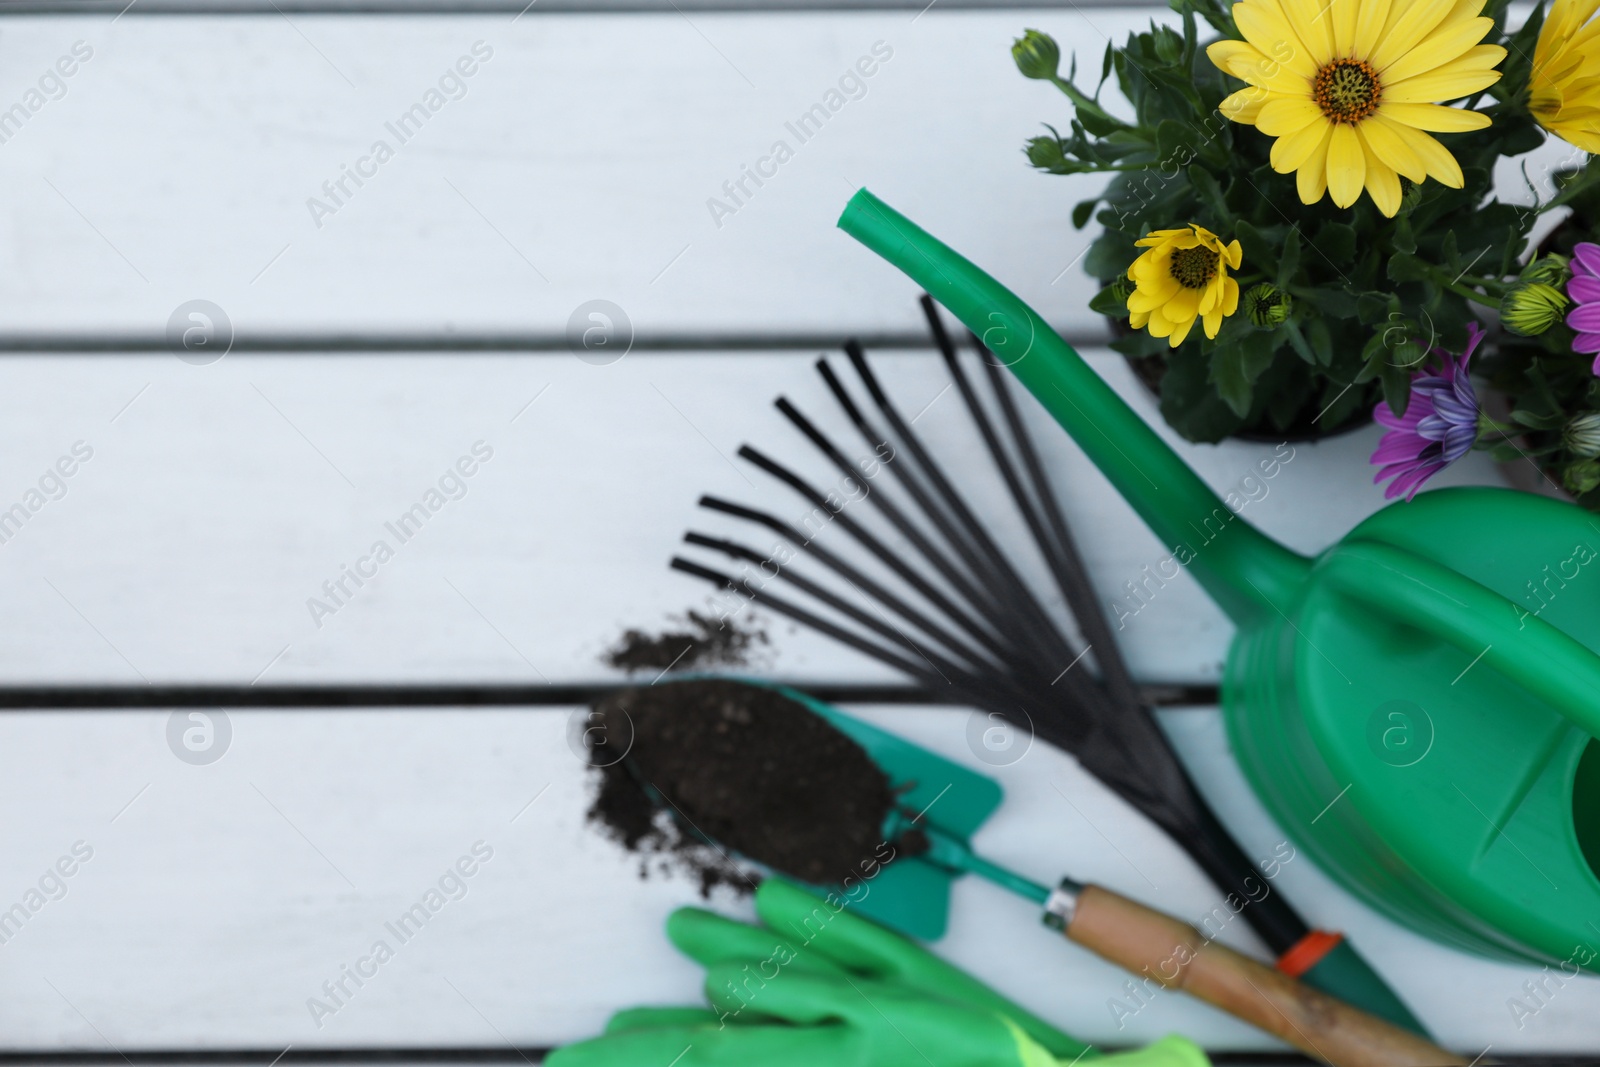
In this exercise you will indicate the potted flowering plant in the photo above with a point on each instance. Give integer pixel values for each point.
(1547, 367)
(1302, 221)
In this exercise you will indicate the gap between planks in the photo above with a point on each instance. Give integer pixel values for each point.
(425, 697)
(530, 343)
(143, 8)
(421, 1056)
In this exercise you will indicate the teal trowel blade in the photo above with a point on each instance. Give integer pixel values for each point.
(912, 895)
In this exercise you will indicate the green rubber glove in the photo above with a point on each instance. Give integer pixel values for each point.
(807, 1020)
(806, 934)
(820, 984)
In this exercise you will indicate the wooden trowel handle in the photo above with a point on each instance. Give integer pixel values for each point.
(1173, 954)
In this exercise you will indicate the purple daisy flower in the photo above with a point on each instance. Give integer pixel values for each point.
(1584, 289)
(1439, 426)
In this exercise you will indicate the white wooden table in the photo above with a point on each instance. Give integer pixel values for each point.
(377, 343)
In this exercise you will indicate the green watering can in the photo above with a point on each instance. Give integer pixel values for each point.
(1417, 705)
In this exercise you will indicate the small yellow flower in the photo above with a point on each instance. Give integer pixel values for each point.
(1349, 87)
(1564, 89)
(1183, 276)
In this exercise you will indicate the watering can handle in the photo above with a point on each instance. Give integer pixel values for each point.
(1242, 569)
(1410, 589)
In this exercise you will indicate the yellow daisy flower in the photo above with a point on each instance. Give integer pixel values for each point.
(1183, 276)
(1348, 88)
(1565, 86)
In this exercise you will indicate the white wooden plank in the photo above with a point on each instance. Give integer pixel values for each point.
(179, 161)
(219, 898)
(511, 7)
(219, 499)
(579, 164)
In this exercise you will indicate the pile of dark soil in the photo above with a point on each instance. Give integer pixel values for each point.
(747, 767)
(705, 642)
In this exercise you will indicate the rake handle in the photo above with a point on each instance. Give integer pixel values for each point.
(1175, 955)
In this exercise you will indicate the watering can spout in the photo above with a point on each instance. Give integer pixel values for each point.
(1247, 573)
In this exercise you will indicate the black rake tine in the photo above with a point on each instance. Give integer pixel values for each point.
(1088, 690)
(1017, 628)
(936, 476)
(876, 440)
(843, 568)
(970, 693)
(1065, 561)
(846, 401)
(946, 669)
(1226, 862)
(970, 554)
(963, 583)
(878, 549)
(1139, 723)
(1005, 622)
(805, 618)
(881, 627)
(1003, 463)
(1130, 755)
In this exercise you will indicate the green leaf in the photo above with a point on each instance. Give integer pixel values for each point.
(1097, 122)
(1189, 404)
(1289, 261)
(1504, 452)
(1283, 394)
(1375, 307)
(1406, 356)
(1372, 353)
(1404, 239)
(1520, 48)
(1236, 366)
(1321, 342)
(1096, 119)
(1210, 193)
(1338, 403)
(1449, 253)
(1174, 146)
(1297, 341)
(1538, 422)
(1168, 45)
(1082, 212)
(1110, 255)
(1258, 251)
(1337, 302)
(1336, 244)
(1107, 303)
(1574, 185)
(1407, 268)
(1396, 386)
(1191, 39)
(1519, 138)
(1140, 345)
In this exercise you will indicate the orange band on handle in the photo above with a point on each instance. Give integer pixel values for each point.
(1307, 952)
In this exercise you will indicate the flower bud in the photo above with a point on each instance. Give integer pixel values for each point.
(1581, 436)
(1168, 45)
(1266, 306)
(1582, 477)
(1531, 308)
(1046, 154)
(1551, 270)
(1037, 55)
